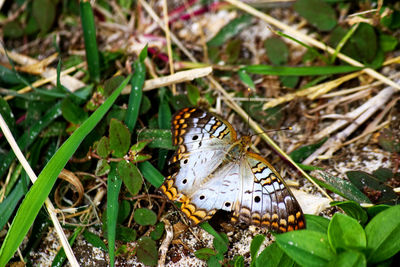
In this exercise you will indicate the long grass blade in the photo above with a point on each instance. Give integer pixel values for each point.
(36, 196)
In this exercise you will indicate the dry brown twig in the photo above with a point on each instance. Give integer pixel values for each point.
(51, 73)
(355, 118)
(169, 235)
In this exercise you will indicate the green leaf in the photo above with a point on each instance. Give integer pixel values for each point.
(246, 79)
(37, 194)
(392, 21)
(289, 81)
(214, 261)
(277, 51)
(131, 176)
(255, 245)
(72, 112)
(232, 51)
(317, 223)
(377, 191)
(299, 71)
(145, 216)
(103, 147)
(204, 253)
(273, 256)
(208, 228)
(349, 258)
(159, 138)
(44, 12)
(102, 168)
(221, 244)
(113, 188)
(146, 251)
(193, 93)
(158, 231)
(387, 42)
(111, 84)
(239, 261)
(125, 234)
(151, 174)
(389, 141)
(374, 210)
(231, 29)
(94, 239)
(12, 30)
(135, 97)
(120, 138)
(346, 233)
(303, 152)
(9, 76)
(139, 146)
(365, 42)
(353, 209)
(140, 158)
(383, 235)
(318, 13)
(307, 248)
(342, 187)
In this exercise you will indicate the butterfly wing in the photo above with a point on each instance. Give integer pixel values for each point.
(264, 198)
(203, 140)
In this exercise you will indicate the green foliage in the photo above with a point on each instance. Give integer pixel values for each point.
(214, 256)
(303, 152)
(341, 240)
(318, 13)
(145, 216)
(374, 185)
(146, 251)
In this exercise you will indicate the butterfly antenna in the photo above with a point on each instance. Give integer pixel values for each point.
(274, 130)
(248, 111)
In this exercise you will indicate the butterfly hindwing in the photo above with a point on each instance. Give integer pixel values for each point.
(265, 199)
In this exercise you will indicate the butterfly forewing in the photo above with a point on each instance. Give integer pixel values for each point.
(212, 170)
(203, 141)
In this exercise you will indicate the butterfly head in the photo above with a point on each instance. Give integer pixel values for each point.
(245, 142)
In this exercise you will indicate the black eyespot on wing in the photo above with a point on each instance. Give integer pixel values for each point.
(195, 137)
(227, 204)
(184, 181)
(257, 199)
(202, 197)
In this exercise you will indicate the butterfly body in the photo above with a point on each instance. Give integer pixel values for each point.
(213, 169)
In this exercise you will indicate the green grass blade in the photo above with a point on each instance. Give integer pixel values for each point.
(60, 257)
(151, 174)
(89, 36)
(27, 138)
(10, 203)
(113, 187)
(36, 196)
(299, 71)
(135, 98)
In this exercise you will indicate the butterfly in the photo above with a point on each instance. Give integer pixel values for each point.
(213, 169)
